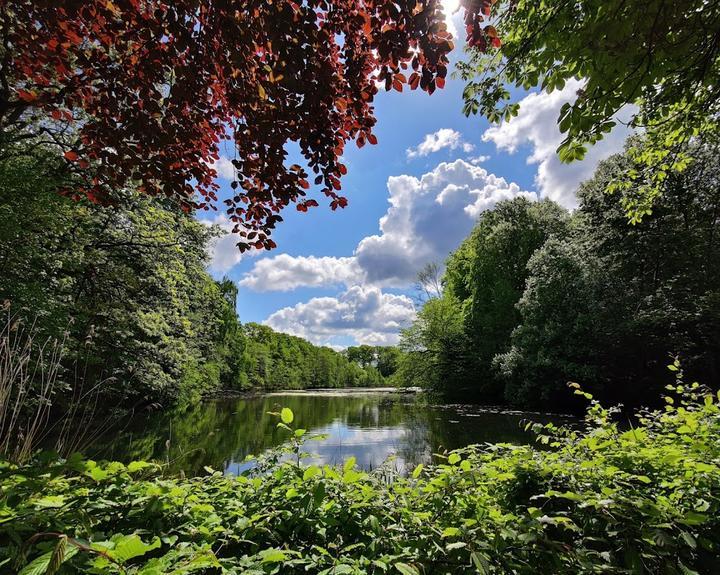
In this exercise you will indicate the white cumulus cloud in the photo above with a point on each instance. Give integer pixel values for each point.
(478, 159)
(428, 217)
(362, 312)
(443, 138)
(536, 125)
(285, 273)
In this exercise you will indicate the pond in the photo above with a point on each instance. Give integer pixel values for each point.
(369, 425)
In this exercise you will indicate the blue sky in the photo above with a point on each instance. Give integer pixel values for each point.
(345, 277)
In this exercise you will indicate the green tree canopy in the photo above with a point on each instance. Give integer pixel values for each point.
(536, 297)
(660, 57)
(126, 289)
(608, 304)
(457, 334)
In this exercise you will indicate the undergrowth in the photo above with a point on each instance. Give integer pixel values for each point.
(601, 499)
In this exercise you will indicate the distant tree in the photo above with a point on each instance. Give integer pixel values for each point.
(145, 91)
(435, 346)
(388, 360)
(275, 360)
(660, 57)
(428, 284)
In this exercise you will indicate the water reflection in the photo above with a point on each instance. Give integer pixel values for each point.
(371, 427)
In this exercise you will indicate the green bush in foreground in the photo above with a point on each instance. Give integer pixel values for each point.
(600, 500)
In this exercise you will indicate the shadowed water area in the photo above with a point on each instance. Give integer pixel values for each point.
(368, 425)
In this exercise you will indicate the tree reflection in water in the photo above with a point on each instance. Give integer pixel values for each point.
(369, 426)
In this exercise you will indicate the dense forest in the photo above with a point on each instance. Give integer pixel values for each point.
(125, 291)
(538, 297)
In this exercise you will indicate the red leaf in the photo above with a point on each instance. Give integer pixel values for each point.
(26, 96)
(105, 60)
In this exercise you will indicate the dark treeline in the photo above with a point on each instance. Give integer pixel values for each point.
(125, 291)
(538, 297)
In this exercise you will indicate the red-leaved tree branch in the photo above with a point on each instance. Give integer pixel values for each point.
(144, 91)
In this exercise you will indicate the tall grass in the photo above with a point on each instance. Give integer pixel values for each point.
(42, 402)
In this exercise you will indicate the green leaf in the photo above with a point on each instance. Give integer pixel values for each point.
(97, 473)
(272, 555)
(634, 435)
(134, 466)
(686, 570)
(694, 518)
(319, 494)
(689, 539)
(406, 569)
(454, 458)
(42, 564)
(50, 501)
(481, 563)
(287, 416)
(310, 472)
(125, 547)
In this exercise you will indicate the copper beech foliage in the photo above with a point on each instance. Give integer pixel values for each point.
(148, 90)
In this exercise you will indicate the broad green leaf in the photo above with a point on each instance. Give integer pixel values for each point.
(134, 466)
(40, 565)
(272, 555)
(406, 569)
(50, 501)
(125, 547)
(286, 415)
(481, 563)
(310, 472)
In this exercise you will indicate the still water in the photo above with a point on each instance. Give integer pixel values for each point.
(368, 425)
